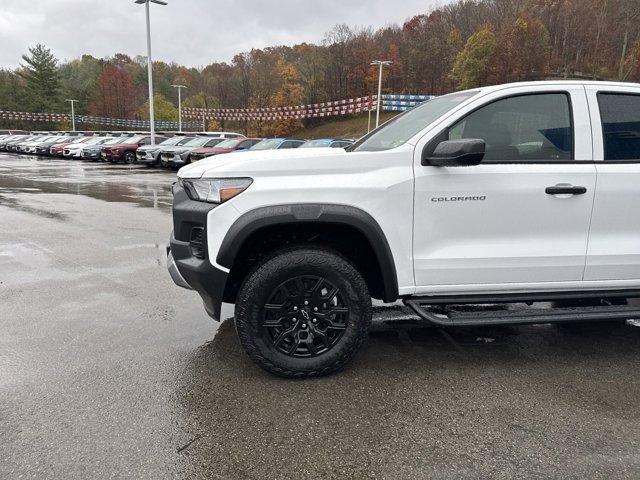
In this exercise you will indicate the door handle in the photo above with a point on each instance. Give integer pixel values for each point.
(565, 190)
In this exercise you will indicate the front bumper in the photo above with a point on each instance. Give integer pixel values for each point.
(91, 155)
(146, 156)
(177, 161)
(176, 276)
(186, 269)
(111, 157)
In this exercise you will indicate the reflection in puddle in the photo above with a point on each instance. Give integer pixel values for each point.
(149, 188)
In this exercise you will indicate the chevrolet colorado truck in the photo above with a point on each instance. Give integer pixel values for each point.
(511, 204)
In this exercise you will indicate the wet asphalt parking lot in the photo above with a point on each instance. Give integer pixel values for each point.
(107, 370)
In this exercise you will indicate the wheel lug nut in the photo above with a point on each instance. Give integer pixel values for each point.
(306, 303)
(315, 320)
(295, 309)
(315, 309)
(304, 325)
(294, 319)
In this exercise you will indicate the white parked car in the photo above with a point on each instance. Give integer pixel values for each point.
(522, 195)
(74, 150)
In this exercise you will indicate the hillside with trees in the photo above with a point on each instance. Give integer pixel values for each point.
(464, 44)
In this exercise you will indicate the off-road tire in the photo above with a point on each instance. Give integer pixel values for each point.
(282, 266)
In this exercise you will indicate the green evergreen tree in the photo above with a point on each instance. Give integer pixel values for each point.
(40, 72)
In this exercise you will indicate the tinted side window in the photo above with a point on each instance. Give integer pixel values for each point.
(620, 125)
(522, 129)
(287, 144)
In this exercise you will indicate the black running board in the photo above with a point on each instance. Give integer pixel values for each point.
(450, 311)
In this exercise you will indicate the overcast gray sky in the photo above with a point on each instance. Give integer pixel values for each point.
(189, 32)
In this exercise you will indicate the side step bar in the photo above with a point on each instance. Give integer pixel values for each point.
(451, 311)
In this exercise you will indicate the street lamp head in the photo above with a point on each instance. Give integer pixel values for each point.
(159, 2)
(179, 86)
(382, 62)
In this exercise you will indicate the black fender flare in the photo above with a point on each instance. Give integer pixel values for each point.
(259, 218)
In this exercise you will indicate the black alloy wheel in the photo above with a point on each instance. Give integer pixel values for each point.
(305, 316)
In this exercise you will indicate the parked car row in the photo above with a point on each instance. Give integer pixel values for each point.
(171, 150)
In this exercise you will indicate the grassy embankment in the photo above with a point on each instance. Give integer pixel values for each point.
(343, 128)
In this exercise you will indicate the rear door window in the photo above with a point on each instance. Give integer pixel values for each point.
(620, 114)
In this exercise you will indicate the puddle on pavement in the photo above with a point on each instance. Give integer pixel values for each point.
(149, 188)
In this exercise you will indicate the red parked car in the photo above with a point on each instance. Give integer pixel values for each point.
(126, 152)
(227, 146)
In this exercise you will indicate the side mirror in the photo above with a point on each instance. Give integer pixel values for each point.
(457, 153)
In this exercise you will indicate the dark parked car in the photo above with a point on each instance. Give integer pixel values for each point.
(228, 146)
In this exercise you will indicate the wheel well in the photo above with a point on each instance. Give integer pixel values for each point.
(346, 240)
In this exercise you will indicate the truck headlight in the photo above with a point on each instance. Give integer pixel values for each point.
(215, 190)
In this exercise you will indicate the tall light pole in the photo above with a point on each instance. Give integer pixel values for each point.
(73, 113)
(179, 87)
(381, 64)
(152, 117)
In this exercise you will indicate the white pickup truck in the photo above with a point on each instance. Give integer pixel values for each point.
(510, 204)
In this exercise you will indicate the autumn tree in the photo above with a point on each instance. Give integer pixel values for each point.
(115, 95)
(523, 51)
(629, 12)
(290, 93)
(473, 65)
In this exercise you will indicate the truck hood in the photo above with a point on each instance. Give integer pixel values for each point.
(260, 162)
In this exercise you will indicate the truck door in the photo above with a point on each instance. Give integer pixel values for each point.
(614, 241)
(521, 218)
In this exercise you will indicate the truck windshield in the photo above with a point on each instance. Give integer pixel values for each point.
(402, 128)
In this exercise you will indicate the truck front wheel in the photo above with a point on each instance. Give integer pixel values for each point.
(304, 312)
